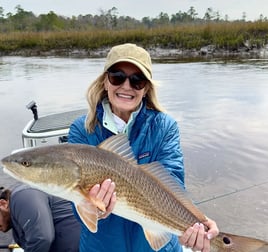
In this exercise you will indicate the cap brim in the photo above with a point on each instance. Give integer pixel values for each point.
(137, 64)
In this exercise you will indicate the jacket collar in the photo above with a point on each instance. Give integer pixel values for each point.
(106, 117)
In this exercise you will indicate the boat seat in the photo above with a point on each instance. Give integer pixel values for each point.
(54, 125)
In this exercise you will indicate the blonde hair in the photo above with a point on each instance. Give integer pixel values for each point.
(96, 93)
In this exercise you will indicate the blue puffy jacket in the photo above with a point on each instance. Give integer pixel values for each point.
(154, 136)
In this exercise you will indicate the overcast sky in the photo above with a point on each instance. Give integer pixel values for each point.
(141, 8)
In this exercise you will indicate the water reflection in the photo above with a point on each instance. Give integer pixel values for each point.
(221, 108)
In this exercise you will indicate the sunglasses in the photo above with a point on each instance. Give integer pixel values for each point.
(117, 78)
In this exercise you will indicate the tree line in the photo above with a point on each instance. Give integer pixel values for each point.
(24, 33)
(23, 20)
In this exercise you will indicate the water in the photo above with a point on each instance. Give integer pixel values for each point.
(221, 108)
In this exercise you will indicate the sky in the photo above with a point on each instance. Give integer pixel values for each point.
(141, 8)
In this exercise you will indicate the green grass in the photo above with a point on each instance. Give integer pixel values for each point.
(224, 35)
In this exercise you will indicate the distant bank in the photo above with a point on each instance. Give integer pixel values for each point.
(189, 41)
(157, 53)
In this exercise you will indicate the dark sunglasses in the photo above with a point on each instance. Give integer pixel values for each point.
(117, 78)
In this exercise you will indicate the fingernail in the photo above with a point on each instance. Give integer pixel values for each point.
(209, 236)
(196, 225)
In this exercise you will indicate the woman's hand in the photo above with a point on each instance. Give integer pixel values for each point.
(104, 192)
(197, 238)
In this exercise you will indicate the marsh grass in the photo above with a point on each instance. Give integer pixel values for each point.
(224, 35)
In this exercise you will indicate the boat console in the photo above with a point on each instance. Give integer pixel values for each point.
(48, 126)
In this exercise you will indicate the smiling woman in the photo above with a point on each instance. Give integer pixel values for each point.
(123, 100)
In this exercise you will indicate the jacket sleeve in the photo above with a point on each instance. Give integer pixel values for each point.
(32, 218)
(170, 152)
(77, 132)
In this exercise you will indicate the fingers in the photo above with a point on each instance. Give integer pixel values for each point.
(206, 246)
(193, 235)
(106, 194)
(195, 238)
(213, 229)
(201, 243)
(110, 207)
(106, 191)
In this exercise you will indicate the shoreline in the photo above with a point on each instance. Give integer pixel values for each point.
(209, 52)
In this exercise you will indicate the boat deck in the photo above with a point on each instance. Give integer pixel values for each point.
(54, 125)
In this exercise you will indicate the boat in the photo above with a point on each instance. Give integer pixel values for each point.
(40, 130)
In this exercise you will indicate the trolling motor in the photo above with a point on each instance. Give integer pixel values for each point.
(32, 106)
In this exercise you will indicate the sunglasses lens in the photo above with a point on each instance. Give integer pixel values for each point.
(137, 81)
(117, 78)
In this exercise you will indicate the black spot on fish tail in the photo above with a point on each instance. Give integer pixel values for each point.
(226, 240)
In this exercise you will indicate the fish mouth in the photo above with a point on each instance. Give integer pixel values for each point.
(11, 173)
(4, 161)
(10, 167)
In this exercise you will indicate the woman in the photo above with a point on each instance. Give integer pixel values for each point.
(123, 100)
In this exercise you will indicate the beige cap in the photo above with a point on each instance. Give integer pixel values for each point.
(133, 54)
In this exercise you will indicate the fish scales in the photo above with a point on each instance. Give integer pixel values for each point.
(131, 184)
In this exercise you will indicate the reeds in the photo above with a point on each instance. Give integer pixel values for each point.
(225, 35)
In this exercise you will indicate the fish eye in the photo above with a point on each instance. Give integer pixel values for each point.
(25, 163)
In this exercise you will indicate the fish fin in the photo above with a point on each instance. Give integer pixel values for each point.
(119, 144)
(169, 183)
(98, 203)
(87, 212)
(157, 240)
